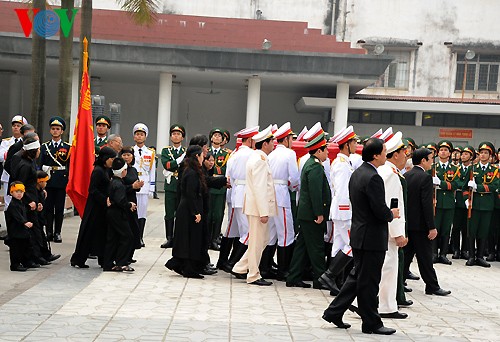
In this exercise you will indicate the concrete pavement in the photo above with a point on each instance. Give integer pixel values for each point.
(61, 303)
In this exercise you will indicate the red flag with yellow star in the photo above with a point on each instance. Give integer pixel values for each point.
(82, 147)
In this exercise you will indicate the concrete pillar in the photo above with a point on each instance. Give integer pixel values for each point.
(75, 91)
(164, 110)
(418, 118)
(15, 98)
(253, 101)
(341, 107)
(175, 106)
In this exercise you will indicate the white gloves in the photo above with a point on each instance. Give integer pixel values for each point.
(46, 168)
(472, 184)
(436, 180)
(466, 203)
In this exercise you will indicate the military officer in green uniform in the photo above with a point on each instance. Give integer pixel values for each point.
(226, 138)
(494, 238)
(312, 213)
(217, 196)
(447, 181)
(171, 158)
(460, 249)
(484, 185)
(102, 125)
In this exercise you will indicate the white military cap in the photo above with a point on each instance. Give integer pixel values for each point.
(140, 127)
(387, 134)
(247, 132)
(394, 143)
(264, 134)
(314, 132)
(284, 131)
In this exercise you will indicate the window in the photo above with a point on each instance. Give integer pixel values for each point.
(460, 120)
(381, 117)
(482, 73)
(397, 73)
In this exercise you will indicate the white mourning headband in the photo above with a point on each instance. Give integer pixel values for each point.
(119, 172)
(32, 146)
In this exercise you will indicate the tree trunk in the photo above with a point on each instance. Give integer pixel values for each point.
(86, 31)
(65, 71)
(38, 75)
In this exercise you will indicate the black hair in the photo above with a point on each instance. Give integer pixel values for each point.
(322, 148)
(373, 147)
(390, 155)
(191, 162)
(209, 154)
(104, 154)
(41, 174)
(26, 127)
(419, 155)
(258, 145)
(28, 139)
(118, 163)
(128, 149)
(199, 139)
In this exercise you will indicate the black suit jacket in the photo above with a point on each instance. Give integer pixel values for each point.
(420, 208)
(370, 214)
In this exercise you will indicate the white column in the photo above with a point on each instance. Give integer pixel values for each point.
(418, 118)
(74, 101)
(15, 98)
(341, 106)
(253, 101)
(164, 110)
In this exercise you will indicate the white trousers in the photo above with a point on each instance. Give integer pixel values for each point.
(258, 239)
(342, 237)
(281, 228)
(232, 225)
(242, 223)
(142, 205)
(389, 281)
(329, 232)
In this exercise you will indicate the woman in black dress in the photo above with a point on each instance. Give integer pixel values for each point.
(187, 253)
(93, 228)
(133, 185)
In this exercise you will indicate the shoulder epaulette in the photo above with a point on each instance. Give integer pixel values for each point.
(7, 139)
(342, 159)
(151, 149)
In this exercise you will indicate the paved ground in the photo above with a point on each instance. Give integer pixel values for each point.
(59, 303)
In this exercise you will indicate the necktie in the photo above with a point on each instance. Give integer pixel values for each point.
(56, 145)
(442, 166)
(216, 151)
(484, 168)
(16, 140)
(99, 141)
(140, 151)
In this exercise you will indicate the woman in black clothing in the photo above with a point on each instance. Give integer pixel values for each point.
(187, 253)
(133, 185)
(119, 238)
(93, 228)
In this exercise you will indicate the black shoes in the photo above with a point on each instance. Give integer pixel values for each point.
(456, 255)
(53, 257)
(470, 262)
(407, 289)
(320, 286)
(18, 268)
(442, 259)
(261, 282)
(412, 276)
(208, 270)
(337, 321)
(57, 238)
(491, 257)
(79, 265)
(214, 246)
(298, 284)
(481, 262)
(438, 292)
(407, 302)
(167, 244)
(239, 275)
(32, 265)
(43, 262)
(379, 331)
(394, 315)
(192, 275)
(329, 284)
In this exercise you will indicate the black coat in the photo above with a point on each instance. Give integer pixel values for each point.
(25, 171)
(15, 218)
(188, 240)
(133, 219)
(57, 157)
(370, 214)
(10, 154)
(420, 208)
(93, 228)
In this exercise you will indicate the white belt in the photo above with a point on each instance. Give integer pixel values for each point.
(58, 168)
(280, 181)
(239, 182)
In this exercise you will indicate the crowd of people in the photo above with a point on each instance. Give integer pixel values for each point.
(351, 225)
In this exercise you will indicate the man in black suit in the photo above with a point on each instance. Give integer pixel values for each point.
(369, 236)
(420, 221)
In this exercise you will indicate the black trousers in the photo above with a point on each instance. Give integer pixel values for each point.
(54, 210)
(119, 239)
(19, 251)
(362, 282)
(420, 246)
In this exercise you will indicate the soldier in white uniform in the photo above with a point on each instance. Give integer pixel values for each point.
(236, 175)
(283, 164)
(396, 160)
(17, 122)
(340, 211)
(146, 169)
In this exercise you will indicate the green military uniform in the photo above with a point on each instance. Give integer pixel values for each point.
(461, 211)
(314, 200)
(170, 159)
(217, 196)
(483, 204)
(445, 202)
(494, 238)
(100, 142)
(400, 292)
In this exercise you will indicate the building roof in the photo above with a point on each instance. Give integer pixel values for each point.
(424, 99)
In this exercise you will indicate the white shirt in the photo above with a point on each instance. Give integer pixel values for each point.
(340, 175)
(145, 165)
(283, 164)
(236, 171)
